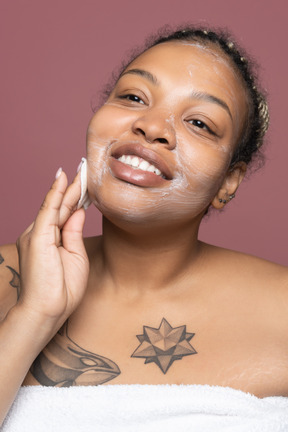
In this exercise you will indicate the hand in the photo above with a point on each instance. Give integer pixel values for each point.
(53, 262)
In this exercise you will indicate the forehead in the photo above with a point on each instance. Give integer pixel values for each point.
(203, 68)
(175, 55)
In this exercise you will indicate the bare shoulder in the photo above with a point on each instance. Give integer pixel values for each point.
(9, 278)
(248, 268)
(260, 285)
(249, 304)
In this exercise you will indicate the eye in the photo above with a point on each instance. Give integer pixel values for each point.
(132, 98)
(201, 125)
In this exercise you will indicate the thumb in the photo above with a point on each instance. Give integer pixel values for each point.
(72, 233)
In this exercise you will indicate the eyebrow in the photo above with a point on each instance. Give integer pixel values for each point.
(194, 95)
(143, 73)
(210, 98)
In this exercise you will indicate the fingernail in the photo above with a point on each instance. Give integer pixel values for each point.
(58, 173)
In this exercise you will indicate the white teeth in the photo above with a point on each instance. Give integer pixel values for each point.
(135, 162)
(143, 165)
(139, 163)
(151, 168)
(128, 160)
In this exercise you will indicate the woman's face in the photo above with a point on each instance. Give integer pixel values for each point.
(159, 149)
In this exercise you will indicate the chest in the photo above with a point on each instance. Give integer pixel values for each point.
(142, 346)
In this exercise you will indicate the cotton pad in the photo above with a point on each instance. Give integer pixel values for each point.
(84, 200)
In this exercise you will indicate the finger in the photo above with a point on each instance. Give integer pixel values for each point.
(72, 233)
(48, 216)
(70, 200)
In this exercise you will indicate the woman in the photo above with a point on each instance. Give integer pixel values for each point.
(147, 302)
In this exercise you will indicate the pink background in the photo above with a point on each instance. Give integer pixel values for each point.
(55, 55)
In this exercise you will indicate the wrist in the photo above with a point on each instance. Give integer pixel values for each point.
(32, 326)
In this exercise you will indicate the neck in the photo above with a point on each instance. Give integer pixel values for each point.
(141, 262)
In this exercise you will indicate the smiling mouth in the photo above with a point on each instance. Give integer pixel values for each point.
(140, 164)
(141, 158)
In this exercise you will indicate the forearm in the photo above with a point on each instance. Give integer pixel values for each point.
(21, 340)
(54, 270)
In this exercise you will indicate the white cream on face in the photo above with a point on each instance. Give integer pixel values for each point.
(199, 165)
(178, 200)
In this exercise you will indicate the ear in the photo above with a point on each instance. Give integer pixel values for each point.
(230, 185)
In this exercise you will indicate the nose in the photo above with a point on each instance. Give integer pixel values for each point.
(156, 128)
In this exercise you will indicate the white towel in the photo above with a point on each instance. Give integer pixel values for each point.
(139, 408)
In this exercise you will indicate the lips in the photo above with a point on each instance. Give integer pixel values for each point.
(135, 175)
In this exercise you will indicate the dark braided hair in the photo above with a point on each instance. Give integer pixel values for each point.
(258, 115)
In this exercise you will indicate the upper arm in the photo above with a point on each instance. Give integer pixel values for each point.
(9, 278)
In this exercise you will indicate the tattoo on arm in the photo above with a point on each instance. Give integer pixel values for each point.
(63, 363)
(164, 345)
(15, 281)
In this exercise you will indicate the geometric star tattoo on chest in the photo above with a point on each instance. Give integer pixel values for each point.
(164, 345)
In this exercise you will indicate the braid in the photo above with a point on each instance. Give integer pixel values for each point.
(258, 116)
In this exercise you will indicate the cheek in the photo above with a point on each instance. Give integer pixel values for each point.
(110, 121)
(203, 165)
(104, 129)
(202, 169)
(97, 146)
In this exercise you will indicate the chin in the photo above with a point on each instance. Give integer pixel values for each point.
(140, 216)
(127, 204)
